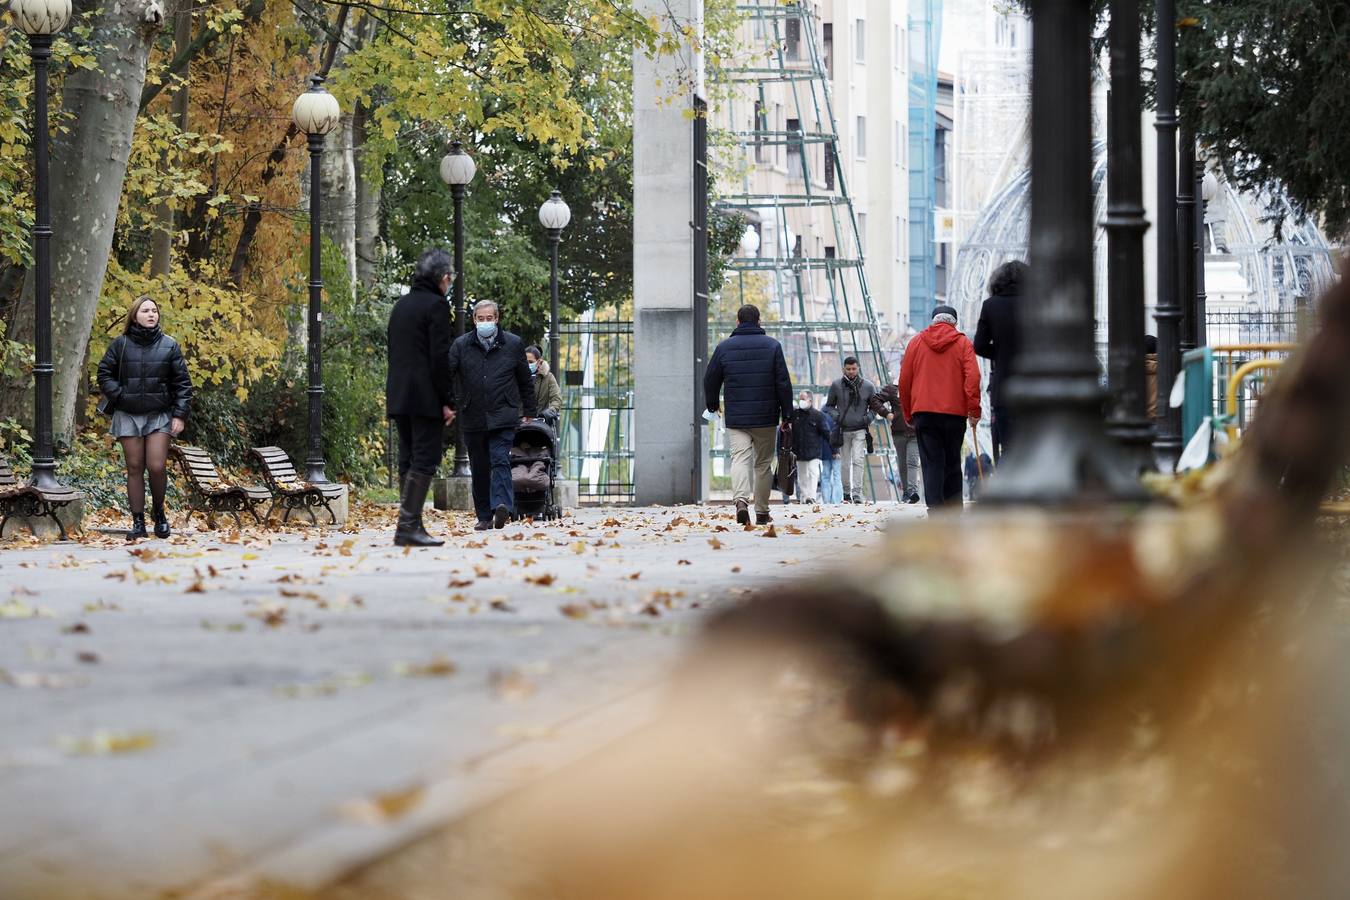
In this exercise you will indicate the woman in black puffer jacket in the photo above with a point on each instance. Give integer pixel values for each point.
(145, 380)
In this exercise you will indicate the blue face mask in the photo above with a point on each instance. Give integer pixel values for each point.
(534, 368)
(485, 329)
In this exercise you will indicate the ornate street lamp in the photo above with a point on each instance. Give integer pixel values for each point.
(1167, 446)
(457, 170)
(1127, 418)
(41, 20)
(1064, 457)
(554, 216)
(316, 113)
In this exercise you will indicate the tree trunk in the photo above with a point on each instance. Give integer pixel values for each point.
(161, 241)
(338, 171)
(368, 189)
(368, 183)
(88, 165)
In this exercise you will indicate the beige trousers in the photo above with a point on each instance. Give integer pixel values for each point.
(752, 451)
(808, 480)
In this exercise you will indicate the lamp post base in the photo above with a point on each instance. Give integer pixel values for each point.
(1065, 461)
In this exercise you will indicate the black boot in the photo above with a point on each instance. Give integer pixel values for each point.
(137, 527)
(161, 522)
(410, 532)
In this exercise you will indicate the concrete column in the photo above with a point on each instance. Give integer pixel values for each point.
(666, 438)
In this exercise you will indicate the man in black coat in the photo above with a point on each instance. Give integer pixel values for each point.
(493, 391)
(751, 367)
(417, 388)
(997, 338)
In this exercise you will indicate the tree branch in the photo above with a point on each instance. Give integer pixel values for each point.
(252, 13)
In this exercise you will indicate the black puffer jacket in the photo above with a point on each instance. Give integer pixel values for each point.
(146, 374)
(751, 369)
(493, 388)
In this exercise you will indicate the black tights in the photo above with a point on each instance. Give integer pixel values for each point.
(146, 454)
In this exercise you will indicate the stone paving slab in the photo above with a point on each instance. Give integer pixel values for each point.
(182, 711)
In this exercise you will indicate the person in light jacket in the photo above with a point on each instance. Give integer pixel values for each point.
(547, 394)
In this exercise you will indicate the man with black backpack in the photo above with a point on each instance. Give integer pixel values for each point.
(849, 405)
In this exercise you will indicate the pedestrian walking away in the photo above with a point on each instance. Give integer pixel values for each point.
(831, 488)
(810, 442)
(148, 392)
(940, 394)
(417, 388)
(547, 394)
(849, 404)
(886, 404)
(494, 392)
(998, 338)
(1151, 375)
(749, 372)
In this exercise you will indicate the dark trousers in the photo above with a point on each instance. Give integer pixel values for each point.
(490, 466)
(419, 445)
(1001, 430)
(940, 436)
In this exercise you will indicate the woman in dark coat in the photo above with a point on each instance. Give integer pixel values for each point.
(144, 379)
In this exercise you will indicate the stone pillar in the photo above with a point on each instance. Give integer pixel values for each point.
(666, 438)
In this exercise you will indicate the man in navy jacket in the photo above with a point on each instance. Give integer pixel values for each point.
(750, 369)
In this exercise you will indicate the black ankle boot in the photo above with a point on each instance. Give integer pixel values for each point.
(161, 523)
(137, 527)
(410, 532)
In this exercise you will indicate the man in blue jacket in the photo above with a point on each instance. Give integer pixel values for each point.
(750, 366)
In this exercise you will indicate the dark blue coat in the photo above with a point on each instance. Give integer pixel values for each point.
(751, 368)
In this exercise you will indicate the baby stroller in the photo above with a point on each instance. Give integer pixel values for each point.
(534, 466)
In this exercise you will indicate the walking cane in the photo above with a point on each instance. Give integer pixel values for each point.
(975, 439)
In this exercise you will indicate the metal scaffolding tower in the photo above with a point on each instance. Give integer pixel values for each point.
(781, 168)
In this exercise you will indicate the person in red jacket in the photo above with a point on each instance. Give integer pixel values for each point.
(939, 394)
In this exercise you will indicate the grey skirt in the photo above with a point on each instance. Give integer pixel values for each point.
(125, 424)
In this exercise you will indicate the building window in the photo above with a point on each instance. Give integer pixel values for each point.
(827, 46)
(860, 139)
(860, 40)
(898, 50)
(829, 165)
(794, 150)
(862, 233)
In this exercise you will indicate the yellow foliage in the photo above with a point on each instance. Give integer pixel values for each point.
(223, 336)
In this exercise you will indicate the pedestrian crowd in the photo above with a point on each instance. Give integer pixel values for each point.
(933, 411)
(494, 386)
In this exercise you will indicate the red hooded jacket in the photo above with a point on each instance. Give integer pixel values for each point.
(939, 374)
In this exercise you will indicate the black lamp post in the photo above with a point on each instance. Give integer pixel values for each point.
(457, 170)
(1202, 198)
(1127, 418)
(1064, 456)
(1167, 445)
(554, 216)
(316, 113)
(1186, 237)
(41, 20)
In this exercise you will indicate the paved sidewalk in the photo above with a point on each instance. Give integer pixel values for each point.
(276, 706)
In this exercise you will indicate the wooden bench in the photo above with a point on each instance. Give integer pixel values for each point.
(209, 494)
(18, 498)
(288, 490)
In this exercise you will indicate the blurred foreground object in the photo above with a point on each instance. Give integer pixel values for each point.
(1111, 704)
